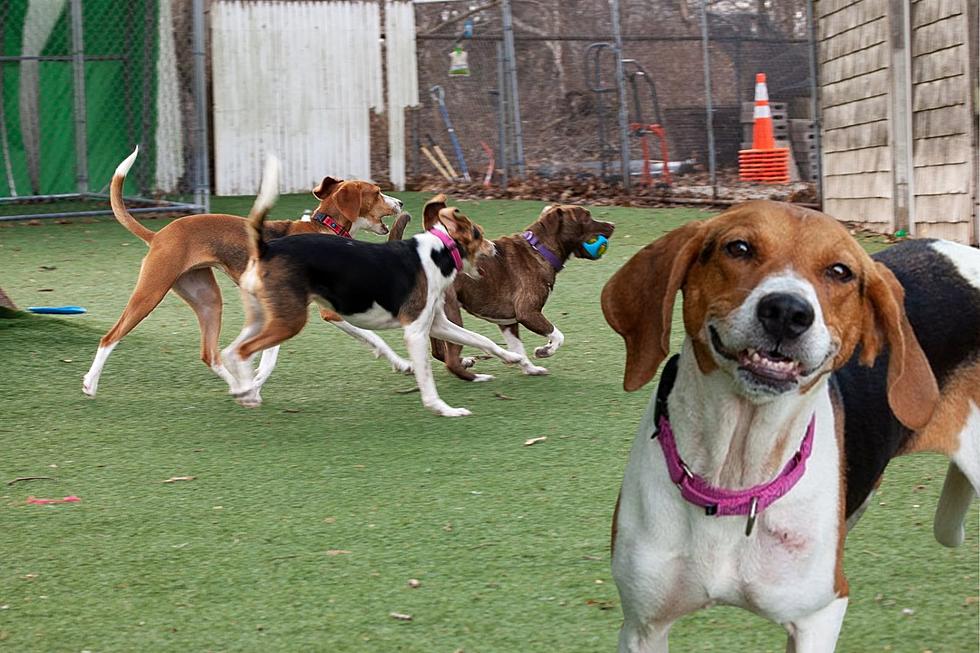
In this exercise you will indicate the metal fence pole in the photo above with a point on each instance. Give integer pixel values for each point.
(510, 64)
(502, 109)
(815, 97)
(78, 93)
(709, 105)
(202, 188)
(624, 143)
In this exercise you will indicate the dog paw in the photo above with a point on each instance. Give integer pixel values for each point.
(510, 357)
(456, 412)
(89, 387)
(535, 370)
(249, 399)
(467, 362)
(544, 352)
(481, 378)
(443, 409)
(401, 366)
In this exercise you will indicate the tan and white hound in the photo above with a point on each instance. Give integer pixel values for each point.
(183, 253)
(805, 367)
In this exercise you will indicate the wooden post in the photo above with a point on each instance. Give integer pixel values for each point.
(900, 125)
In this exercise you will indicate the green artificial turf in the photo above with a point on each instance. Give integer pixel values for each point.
(307, 517)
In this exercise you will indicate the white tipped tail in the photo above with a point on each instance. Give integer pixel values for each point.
(269, 189)
(124, 217)
(123, 168)
(266, 199)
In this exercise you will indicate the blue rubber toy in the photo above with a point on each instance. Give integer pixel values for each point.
(596, 246)
(57, 310)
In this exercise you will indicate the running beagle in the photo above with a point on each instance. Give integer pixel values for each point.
(183, 253)
(372, 286)
(805, 367)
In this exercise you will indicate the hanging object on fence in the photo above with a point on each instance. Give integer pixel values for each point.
(458, 65)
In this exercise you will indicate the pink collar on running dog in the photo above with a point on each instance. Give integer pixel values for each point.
(720, 501)
(450, 245)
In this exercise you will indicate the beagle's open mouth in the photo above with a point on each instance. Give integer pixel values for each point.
(769, 367)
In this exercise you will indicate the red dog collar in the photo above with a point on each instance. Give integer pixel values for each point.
(331, 224)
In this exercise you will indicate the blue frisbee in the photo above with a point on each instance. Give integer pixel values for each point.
(57, 310)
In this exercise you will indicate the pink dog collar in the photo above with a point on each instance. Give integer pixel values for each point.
(450, 245)
(720, 501)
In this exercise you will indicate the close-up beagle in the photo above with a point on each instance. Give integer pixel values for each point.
(806, 366)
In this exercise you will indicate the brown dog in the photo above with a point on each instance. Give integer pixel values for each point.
(183, 252)
(514, 285)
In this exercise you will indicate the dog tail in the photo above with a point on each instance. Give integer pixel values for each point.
(124, 217)
(264, 201)
(398, 228)
(953, 508)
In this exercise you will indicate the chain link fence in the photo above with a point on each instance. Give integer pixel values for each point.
(84, 81)
(82, 84)
(688, 67)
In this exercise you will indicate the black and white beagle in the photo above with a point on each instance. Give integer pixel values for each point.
(369, 285)
(805, 368)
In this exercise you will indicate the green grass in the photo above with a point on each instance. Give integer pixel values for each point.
(510, 543)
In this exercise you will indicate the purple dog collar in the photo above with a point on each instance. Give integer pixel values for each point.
(545, 253)
(720, 501)
(450, 245)
(331, 224)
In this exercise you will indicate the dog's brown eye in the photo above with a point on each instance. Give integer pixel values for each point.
(738, 249)
(840, 272)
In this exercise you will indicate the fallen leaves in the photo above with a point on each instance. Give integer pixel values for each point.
(533, 441)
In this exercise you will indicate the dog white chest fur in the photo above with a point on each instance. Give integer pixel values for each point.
(670, 559)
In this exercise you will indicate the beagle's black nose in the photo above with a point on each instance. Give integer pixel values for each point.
(784, 316)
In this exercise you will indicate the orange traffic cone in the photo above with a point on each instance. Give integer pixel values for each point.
(764, 162)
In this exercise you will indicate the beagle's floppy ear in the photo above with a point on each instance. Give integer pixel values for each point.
(912, 389)
(326, 186)
(348, 200)
(430, 214)
(638, 301)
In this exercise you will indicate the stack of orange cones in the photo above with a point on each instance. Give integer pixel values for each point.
(764, 162)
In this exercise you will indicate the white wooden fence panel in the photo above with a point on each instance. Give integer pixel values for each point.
(402, 78)
(296, 79)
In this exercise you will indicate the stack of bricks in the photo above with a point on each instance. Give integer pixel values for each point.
(803, 141)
